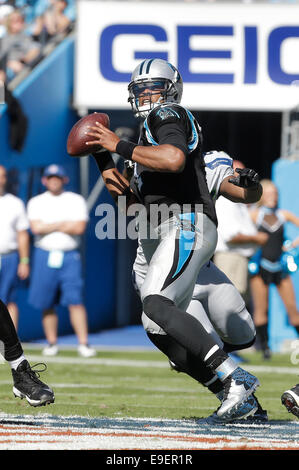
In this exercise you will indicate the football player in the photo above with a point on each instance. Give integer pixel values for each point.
(26, 379)
(170, 171)
(216, 302)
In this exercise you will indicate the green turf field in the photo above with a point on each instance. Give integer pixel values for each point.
(139, 384)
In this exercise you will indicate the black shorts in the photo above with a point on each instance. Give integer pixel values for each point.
(272, 277)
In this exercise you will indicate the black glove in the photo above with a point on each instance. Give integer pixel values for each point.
(247, 178)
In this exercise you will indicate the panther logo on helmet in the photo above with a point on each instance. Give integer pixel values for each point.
(154, 77)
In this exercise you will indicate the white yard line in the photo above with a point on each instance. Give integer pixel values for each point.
(157, 364)
(75, 432)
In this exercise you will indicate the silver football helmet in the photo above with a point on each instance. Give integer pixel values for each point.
(152, 77)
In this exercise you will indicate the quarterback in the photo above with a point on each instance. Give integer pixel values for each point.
(170, 170)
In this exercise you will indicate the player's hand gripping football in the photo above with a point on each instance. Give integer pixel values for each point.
(102, 136)
(246, 178)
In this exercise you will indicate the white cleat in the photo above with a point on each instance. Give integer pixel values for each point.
(237, 388)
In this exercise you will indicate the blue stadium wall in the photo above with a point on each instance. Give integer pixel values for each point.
(45, 97)
(285, 174)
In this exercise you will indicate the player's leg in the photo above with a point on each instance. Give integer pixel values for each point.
(8, 284)
(169, 281)
(14, 313)
(224, 307)
(226, 313)
(26, 382)
(182, 361)
(12, 349)
(179, 358)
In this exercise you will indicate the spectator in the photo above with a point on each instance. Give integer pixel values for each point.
(31, 9)
(14, 246)
(5, 10)
(57, 219)
(2, 79)
(238, 239)
(53, 22)
(270, 220)
(19, 47)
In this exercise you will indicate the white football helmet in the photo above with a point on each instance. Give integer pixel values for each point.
(158, 76)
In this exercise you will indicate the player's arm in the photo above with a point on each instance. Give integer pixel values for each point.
(116, 183)
(165, 157)
(245, 187)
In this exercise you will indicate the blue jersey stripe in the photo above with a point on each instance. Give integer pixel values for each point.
(186, 242)
(219, 161)
(194, 141)
(149, 135)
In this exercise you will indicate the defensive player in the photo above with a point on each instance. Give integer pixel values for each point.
(170, 171)
(26, 380)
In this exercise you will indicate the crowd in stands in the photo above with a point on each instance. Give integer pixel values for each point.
(26, 27)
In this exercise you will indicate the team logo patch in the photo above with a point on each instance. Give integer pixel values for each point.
(165, 113)
(187, 226)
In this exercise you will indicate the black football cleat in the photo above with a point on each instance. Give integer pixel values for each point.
(260, 415)
(27, 385)
(290, 399)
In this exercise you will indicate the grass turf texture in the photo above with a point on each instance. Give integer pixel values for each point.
(102, 390)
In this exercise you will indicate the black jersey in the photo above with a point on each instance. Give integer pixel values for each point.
(172, 124)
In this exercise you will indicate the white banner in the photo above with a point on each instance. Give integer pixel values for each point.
(231, 57)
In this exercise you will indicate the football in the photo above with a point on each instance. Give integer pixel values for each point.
(76, 142)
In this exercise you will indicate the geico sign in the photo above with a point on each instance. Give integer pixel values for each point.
(250, 37)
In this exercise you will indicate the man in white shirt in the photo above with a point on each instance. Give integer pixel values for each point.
(14, 246)
(238, 240)
(57, 219)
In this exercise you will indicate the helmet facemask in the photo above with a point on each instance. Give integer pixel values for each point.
(143, 93)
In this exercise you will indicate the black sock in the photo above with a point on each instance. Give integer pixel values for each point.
(179, 325)
(297, 329)
(186, 362)
(8, 335)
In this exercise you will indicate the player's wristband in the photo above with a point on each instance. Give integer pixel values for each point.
(125, 149)
(104, 160)
(24, 260)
